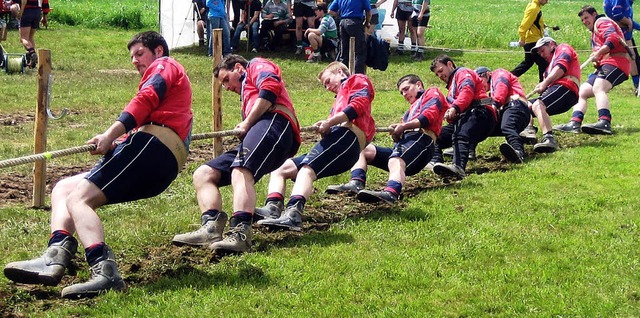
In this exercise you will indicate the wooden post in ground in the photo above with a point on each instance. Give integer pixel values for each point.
(352, 55)
(40, 133)
(216, 92)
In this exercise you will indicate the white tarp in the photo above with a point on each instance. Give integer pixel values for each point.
(177, 23)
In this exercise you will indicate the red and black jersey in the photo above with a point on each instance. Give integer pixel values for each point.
(357, 93)
(607, 32)
(565, 57)
(429, 108)
(504, 85)
(466, 88)
(264, 80)
(163, 98)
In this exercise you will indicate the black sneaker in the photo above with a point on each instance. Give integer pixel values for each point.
(571, 127)
(511, 154)
(602, 127)
(547, 145)
(449, 171)
(350, 188)
(370, 196)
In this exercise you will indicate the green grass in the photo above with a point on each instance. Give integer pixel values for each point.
(555, 237)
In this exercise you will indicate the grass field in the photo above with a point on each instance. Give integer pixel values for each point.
(554, 237)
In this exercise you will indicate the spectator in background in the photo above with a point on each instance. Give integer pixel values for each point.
(355, 17)
(33, 13)
(419, 22)
(375, 16)
(621, 11)
(201, 11)
(250, 22)
(402, 10)
(218, 20)
(275, 18)
(531, 30)
(326, 35)
(303, 10)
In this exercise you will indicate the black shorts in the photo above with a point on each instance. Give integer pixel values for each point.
(140, 167)
(375, 18)
(558, 99)
(421, 23)
(31, 18)
(268, 143)
(415, 148)
(328, 44)
(403, 15)
(609, 73)
(335, 153)
(302, 10)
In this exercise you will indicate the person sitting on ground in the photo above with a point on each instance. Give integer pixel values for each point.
(275, 18)
(158, 121)
(611, 60)
(470, 115)
(513, 109)
(558, 90)
(414, 144)
(347, 130)
(270, 134)
(250, 22)
(326, 35)
(33, 13)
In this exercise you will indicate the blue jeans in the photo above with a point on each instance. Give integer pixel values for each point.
(219, 23)
(254, 37)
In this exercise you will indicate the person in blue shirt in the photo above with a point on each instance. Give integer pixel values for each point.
(355, 16)
(218, 20)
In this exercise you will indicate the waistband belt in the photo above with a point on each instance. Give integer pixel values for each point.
(170, 139)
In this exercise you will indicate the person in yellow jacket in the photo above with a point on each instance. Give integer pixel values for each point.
(531, 30)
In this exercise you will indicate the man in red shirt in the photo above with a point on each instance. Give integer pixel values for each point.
(269, 134)
(158, 122)
(513, 110)
(558, 90)
(414, 145)
(611, 59)
(471, 115)
(345, 133)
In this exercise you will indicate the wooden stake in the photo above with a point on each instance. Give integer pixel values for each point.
(216, 92)
(40, 133)
(352, 54)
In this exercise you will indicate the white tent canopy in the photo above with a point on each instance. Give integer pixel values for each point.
(177, 23)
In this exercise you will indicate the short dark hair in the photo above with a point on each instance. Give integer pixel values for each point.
(444, 59)
(323, 6)
(411, 78)
(589, 9)
(150, 40)
(229, 62)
